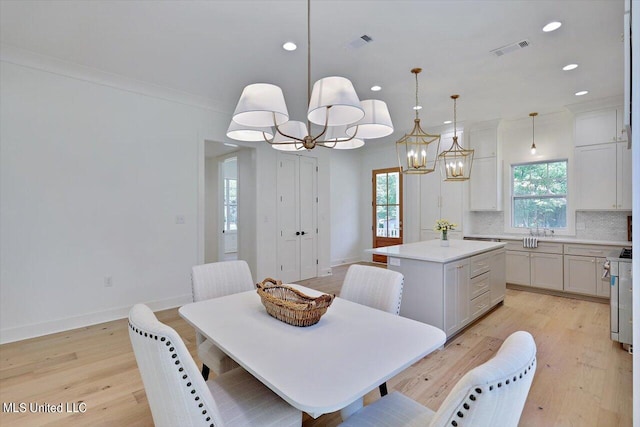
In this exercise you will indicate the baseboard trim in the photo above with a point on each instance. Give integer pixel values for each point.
(60, 325)
(557, 293)
(344, 261)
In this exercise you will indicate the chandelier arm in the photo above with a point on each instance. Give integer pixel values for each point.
(324, 129)
(327, 144)
(281, 133)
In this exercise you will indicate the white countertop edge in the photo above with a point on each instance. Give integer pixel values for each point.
(557, 239)
(424, 251)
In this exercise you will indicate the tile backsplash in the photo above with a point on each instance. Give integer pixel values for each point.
(590, 225)
(602, 225)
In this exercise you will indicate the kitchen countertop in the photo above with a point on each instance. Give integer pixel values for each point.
(558, 239)
(430, 250)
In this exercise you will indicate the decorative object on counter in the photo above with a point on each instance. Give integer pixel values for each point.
(333, 102)
(291, 306)
(456, 161)
(533, 132)
(417, 148)
(444, 226)
(529, 242)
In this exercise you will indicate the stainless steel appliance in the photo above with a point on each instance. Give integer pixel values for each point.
(619, 267)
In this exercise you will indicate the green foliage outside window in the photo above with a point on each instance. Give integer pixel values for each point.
(539, 195)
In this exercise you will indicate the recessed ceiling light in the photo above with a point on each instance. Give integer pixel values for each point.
(582, 92)
(570, 67)
(418, 107)
(551, 26)
(447, 122)
(289, 46)
(376, 88)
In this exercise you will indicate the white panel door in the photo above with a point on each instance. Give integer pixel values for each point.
(308, 217)
(297, 217)
(288, 218)
(518, 268)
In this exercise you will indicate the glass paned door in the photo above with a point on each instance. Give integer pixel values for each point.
(387, 209)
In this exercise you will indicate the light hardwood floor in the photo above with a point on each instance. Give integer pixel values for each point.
(583, 378)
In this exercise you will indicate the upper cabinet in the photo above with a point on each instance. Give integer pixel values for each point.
(599, 127)
(603, 175)
(439, 200)
(485, 184)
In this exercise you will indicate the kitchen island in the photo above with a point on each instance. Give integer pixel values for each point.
(448, 286)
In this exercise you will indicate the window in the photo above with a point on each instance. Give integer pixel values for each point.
(230, 204)
(539, 195)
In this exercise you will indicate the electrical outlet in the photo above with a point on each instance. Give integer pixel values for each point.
(108, 281)
(179, 219)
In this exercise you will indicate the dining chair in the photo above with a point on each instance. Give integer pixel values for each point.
(375, 287)
(215, 280)
(179, 396)
(492, 394)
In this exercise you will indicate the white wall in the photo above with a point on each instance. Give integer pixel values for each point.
(384, 156)
(94, 171)
(92, 181)
(345, 200)
(247, 197)
(211, 190)
(554, 141)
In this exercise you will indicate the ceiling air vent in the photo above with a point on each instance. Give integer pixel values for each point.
(510, 48)
(360, 41)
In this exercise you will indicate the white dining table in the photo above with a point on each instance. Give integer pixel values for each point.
(318, 369)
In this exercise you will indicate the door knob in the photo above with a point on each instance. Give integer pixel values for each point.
(297, 233)
(303, 233)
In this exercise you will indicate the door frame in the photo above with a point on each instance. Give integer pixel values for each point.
(374, 217)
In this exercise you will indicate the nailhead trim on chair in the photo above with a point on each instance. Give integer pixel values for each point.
(177, 362)
(400, 299)
(467, 405)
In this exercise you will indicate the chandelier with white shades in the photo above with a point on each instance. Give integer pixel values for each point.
(345, 121)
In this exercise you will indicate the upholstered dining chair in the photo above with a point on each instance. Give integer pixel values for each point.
(492, 394)
(212, 281)
(375, 287)
(179, 396)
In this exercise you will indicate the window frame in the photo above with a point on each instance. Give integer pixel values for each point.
(513, 198)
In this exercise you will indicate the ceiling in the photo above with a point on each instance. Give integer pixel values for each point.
(215, 48)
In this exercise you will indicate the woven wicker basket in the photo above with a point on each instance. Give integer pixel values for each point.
(290, 305)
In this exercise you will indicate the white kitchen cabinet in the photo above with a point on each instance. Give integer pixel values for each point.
(623, 176)
(580, 274)
(600, 126)
(484, 142)
(439, 200)
(518, 270)
(539, 267)
(456, 296)
(485, 184)
(546, 270)
(583, 268)
(498, 280)
(603, 177)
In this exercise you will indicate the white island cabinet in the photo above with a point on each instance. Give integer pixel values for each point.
(448, 287)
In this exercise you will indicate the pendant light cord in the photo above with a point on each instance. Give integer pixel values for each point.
(308, 61)
(416, 96)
